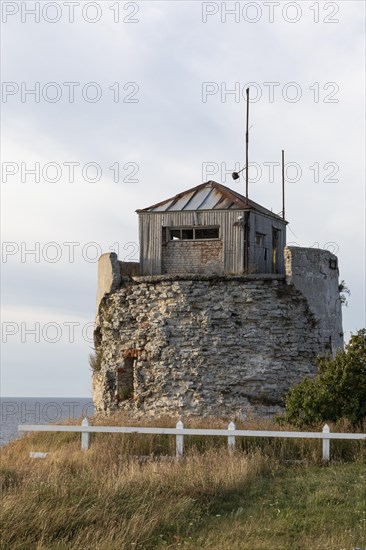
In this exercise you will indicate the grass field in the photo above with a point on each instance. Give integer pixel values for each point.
(129, 492)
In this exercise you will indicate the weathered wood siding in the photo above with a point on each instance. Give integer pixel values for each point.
(232, 236)
(260, 257)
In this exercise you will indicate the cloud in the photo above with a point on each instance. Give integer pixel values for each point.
(169, 134)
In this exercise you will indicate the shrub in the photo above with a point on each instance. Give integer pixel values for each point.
(344, 291)
(337, 391)
(95, 361)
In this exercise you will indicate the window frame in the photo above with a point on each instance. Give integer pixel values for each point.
(261, 236)
(193, 228)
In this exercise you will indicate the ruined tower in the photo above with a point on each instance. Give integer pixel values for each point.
(218, 317)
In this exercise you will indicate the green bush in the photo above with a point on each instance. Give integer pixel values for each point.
(338, 390)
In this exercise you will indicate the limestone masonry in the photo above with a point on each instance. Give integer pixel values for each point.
(218, 318)
(202, 345)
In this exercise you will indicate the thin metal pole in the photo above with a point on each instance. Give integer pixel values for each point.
(247, 149)
(283, 184)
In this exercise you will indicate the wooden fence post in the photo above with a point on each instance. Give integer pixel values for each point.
(231, 438)
(326, 443)
(179, 440)
(85, 436)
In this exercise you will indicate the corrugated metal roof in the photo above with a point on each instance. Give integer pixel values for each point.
(198, 198)
(212, 200)
(163, 207)
(208, 196)
(180, 202)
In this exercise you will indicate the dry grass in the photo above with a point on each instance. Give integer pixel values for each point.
(109, 498)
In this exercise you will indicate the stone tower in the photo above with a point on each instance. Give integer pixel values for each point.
(218, 317)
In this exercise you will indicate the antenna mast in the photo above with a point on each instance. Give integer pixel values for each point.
(246, 149)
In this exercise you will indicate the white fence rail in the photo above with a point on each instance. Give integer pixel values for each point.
(179, 431)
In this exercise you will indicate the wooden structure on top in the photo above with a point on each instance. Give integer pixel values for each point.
(210, 230)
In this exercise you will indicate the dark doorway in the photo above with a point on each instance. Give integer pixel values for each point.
(275, 243)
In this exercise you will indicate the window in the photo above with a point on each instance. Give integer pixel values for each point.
(206, 233)
(175, 234)
(259, 239)
(187, 234)
(194, 233)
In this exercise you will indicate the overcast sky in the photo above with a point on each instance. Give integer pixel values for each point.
(147, 99)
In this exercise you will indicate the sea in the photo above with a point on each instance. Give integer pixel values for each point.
(39, 410)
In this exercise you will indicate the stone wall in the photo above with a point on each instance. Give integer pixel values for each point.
(111, 273)
(315, 273)
(212, 345)
(109, 276)
(189, 256)
(224, 346)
